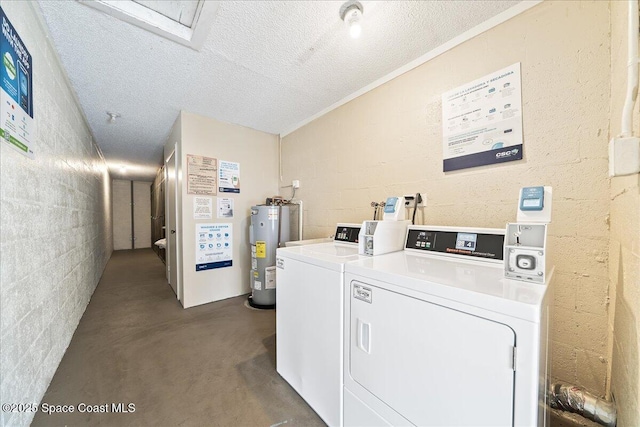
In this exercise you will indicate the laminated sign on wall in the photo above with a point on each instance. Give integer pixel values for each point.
(482, 121)
(214, 246)
(16, 94)
(229, 177)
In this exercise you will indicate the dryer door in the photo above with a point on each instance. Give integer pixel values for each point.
(434, 365)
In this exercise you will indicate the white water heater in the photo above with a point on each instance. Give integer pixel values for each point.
(269, 230)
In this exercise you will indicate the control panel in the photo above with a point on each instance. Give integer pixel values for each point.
(346, 234)
(463, 243)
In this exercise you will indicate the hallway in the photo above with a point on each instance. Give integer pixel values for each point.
(209, 365)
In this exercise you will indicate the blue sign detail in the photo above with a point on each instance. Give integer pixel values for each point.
(498, 155)
(228, 190)
(16, 65)
(212, 265)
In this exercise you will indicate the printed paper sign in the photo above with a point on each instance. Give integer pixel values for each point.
(201, 175)
(225, 207)
(482, 121)
(17, 127)
(202, 208)
(214, 246)
(229, 177)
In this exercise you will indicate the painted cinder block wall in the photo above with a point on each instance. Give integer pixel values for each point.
(624, 258)
(389, 142)
(55, 222)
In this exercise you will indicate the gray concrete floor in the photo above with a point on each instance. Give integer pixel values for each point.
(212, 365)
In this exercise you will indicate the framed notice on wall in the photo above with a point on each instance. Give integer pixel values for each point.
(482, 121)
(202, 173)
(17, 127)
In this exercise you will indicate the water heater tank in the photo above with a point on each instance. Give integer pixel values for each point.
(269, 229)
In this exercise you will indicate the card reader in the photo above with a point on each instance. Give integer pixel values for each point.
(532, 199)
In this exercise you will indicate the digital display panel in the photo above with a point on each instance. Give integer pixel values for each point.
(466, 241)
(531, 202)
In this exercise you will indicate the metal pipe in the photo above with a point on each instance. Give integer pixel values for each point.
(300, 216)
(632, 70)
(570, 398)
(300, 219)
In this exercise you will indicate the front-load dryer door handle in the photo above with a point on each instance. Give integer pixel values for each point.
(364, 336)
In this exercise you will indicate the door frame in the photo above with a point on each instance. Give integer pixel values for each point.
(172, 213)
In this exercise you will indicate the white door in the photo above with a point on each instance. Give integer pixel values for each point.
(122, 232)
(171, 216)
(141, 215)
(433, 365)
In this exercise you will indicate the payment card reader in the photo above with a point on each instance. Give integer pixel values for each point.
(532, 199)
(525, 252)
(394, 209)
(381, 237)
(535, 204)
(525, 243)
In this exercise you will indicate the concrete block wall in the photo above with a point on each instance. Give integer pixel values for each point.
(55, 222)
(624, 247)
(389, 142)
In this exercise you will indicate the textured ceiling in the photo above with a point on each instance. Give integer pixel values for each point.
(267, 65)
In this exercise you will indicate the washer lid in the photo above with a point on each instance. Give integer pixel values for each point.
(327, 255)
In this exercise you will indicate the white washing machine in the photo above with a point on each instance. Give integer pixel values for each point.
(436, 336)
(309, 319)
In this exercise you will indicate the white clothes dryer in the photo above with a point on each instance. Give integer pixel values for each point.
(310, 319)
(436, 336)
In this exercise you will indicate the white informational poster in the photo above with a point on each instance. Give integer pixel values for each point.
(201, 175)
(229, 177)
(482, 121)
(214, 246)
(225, 207)
(17, 127)
(202, 208)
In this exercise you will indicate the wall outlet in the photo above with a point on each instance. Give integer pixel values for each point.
(624, 156)
(295, 183)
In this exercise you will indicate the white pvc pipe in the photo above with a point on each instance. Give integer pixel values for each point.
(300, 219)
(632, 71)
